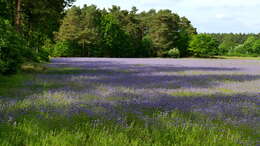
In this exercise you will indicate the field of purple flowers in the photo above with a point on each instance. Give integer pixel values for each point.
(206, 94)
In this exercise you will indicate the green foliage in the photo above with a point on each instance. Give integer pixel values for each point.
(48, 47)
(174, 53)
(43, 55)
(248, 45)
(202, 45)
(167, 30)
(61, 49)
(11, 47)
(43, 16)
(35, 22)
(236, 44)
(163, 30)
(82, 29)
(70, 28)
(226, 45)
(185, 35)
(238, 38)
(256, 47)
(237, 51)
(249, 48)
(146, 49)
(114, 38)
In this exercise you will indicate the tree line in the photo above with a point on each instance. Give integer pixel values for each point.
(225, 44)
(92, 32)
(237, 44)
(37, 30)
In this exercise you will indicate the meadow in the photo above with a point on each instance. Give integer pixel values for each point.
(109, 101)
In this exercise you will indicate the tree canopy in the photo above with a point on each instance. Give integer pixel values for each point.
(121, 33)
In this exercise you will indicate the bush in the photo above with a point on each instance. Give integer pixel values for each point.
(11, 46)
(174, 53)
(202, 45)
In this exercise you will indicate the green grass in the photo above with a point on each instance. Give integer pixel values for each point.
(83, 130)
(16, 85)
(13, 85)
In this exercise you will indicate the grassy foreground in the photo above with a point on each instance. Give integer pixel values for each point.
(81, 130)
(34, 126)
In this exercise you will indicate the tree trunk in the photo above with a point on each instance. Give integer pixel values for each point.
(18, 15)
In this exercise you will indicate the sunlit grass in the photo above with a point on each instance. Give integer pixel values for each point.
(225, 90)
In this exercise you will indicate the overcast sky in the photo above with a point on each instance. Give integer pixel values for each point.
(206, 15)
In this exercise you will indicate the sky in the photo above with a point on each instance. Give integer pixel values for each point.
(213, 16)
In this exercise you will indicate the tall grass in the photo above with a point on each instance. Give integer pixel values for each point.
(83, 130)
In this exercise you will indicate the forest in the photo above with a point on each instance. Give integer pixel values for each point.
(36, 31)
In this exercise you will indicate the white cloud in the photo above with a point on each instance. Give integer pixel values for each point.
(220, 16)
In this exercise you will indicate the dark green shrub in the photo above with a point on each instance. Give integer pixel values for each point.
(174, 53)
